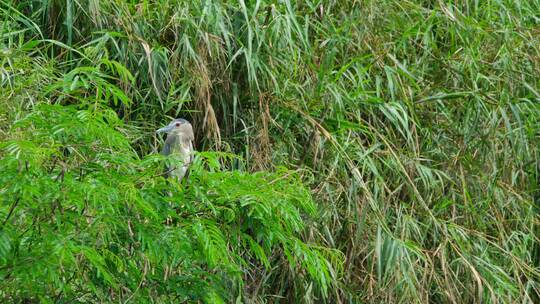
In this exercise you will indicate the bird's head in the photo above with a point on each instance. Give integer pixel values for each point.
(178, 126)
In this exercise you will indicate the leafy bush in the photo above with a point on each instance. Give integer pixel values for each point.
(84, 219)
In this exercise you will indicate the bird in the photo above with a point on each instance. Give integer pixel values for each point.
(178, 144)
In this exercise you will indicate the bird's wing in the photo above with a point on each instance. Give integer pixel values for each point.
(188, 165)
(166, 151)
(167, 145)
(191, 151)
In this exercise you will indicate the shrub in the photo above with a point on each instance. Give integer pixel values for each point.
(84, 219)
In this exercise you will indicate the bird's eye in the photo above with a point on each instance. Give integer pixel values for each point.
(178, 124)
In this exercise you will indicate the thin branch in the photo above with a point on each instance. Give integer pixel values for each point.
(11, 210)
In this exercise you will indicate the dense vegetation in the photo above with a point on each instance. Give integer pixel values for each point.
(349, 151)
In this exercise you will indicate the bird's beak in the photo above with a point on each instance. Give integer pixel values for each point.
(166, 129)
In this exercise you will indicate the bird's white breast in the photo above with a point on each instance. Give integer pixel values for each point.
(183, 153)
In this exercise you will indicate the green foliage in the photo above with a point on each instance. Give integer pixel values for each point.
(85, 219)
(415, 123)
